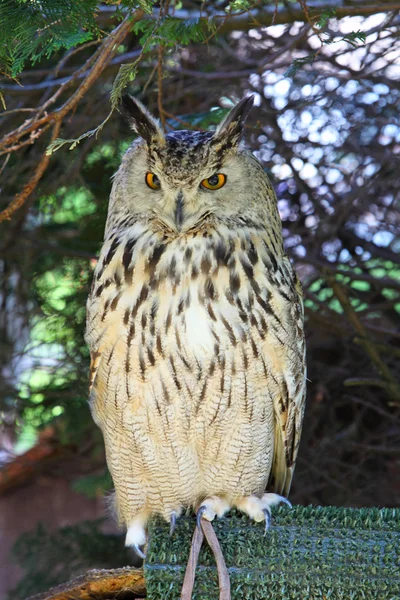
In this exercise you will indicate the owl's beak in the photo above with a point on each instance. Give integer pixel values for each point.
(179, 207)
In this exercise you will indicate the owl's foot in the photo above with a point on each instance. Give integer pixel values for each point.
(136, 536)
(210, 508)
(259, 509)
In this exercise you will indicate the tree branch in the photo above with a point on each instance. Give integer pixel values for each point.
(27, 190)
(291, 12)
(108, 48)
(99, 583)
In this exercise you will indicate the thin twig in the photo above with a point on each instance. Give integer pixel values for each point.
(27, 190)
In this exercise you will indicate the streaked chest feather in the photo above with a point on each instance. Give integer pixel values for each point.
(195, 298)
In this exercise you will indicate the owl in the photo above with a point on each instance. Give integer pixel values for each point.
(195, 328)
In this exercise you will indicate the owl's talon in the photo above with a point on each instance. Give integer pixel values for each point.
(199, 516)
(172, 524)
(286, 501)
(271, 499)
(139, 552)
(212, 507)
(267, 514)
(259, 509)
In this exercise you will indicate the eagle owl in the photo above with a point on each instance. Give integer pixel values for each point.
(195, 327)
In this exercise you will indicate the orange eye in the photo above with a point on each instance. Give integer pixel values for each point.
(214, 182)
(152, 181)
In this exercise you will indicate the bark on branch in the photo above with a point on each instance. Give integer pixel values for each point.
(98, 584)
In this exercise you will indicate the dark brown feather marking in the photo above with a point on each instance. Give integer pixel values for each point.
(165, 392)
(159, 345)
(115, 301)
(142, 364)
(153, 311)
(142, 297)
(128, 252)
(255, 286)
(254, 347)
(221, 254)
(202, 395)
(131, 333)
(111, 252)
(180, 306)
(230, 396)
(175, 375)
(209, 289)
(247, 268)
(211, 312)
(105, 311)
(252, 254)
(99, 290)
(234, 282)
(168, 322)
(150, 355)
(155, 257)
(229, 297)
(188, 254)
(222, 384)
(285, 394)
(229, 330)
(245, 361)
(205, 265)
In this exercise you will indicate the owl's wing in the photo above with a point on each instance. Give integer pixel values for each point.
(289, 402)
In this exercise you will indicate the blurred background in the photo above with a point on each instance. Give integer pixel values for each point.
(325, 76)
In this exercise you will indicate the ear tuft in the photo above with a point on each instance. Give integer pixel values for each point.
(230, 130)
(140, 120)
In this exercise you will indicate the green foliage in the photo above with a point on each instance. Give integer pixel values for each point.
(60, 290)
(324, 17)
(50, 558)
(171, 31)
(60, 142)
(299, 63)
(239, 5)
(31, 31)
(354, 37)
(145, 5)
(126, 74)
(358, 288)
(93, 486)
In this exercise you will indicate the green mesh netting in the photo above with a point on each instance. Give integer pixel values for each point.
(308, 553)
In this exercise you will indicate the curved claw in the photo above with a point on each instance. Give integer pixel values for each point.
(199, 515)
(286, 501)
(139, 552)
(172, 524)
(267, 514)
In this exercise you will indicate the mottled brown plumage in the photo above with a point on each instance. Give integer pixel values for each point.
(195, 326)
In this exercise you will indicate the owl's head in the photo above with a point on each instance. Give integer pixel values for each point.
(185, 178)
